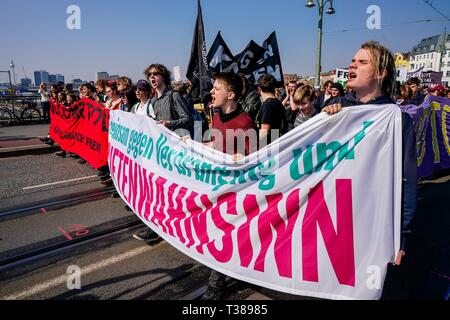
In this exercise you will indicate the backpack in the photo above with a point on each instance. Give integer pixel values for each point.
(196, 116)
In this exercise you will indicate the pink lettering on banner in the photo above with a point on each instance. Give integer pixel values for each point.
(170, 212)
(151, 199)
(283, 242)
(119, 173)
(133, 178)
(175, 211)
(251, 210)
(225, 254)
(339, 244)
(198, 217)
(144, 192)
(190, 203)
(125, 176)
(160, 205)
(184, 216)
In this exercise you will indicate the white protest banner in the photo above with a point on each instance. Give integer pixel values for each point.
(317, 213)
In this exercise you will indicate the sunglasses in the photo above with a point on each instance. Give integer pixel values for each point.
(154, 74)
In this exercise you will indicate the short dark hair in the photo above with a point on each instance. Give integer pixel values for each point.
(72, 96)
(232, 81)
(413, 80)
(267, 83)
(326, 84)
(90, 87)
(160, 69)
(340, 88)
(112, 85)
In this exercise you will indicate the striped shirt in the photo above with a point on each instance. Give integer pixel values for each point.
(301, 118)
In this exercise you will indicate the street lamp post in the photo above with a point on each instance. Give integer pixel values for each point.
(443, 50)
(330, 11)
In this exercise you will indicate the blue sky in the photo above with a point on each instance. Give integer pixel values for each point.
(123, 37)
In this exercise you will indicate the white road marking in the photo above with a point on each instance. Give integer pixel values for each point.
(84, 271)
(58, 182)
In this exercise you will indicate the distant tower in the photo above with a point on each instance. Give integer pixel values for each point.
(12, 66)
(177, 73)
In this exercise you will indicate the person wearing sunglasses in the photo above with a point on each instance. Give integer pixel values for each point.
(143, 106)
(171, 109)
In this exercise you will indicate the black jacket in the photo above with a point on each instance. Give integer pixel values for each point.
(320, 102)
(418, 98)
(409, 168)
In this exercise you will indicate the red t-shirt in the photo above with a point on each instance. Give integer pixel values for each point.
(233, 121)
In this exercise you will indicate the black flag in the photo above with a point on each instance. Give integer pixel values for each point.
(253, 61)
(198, 71)
(269, 62)
(220, 58)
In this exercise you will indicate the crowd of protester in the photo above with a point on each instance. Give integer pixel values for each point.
(234, 103)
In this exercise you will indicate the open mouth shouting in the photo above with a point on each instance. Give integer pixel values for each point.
(352, 76)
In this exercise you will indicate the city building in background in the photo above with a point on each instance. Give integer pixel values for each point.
(25, 83)
(76, 83)
(402, 65)
(59, 78)
(52, 79)
(41, 76)
(433, 54)
(105, 76)
(102, 76)
(327, 76)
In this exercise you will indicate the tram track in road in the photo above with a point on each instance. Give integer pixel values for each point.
(27, 151)
(56, 246)
(56, 203)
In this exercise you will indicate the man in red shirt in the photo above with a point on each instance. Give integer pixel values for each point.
(231, 125)
(234, 133)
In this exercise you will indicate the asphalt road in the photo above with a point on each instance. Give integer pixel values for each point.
(44, 228)
(120, 267)
(35, 177)
(127, 269)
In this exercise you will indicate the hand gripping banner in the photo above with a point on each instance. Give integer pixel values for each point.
(82, 129)
(316, 213)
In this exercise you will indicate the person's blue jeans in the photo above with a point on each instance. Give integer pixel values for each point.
(45, 111)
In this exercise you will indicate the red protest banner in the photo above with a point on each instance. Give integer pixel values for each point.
(82, 129)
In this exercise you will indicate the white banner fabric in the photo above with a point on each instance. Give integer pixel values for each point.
(316, 213)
